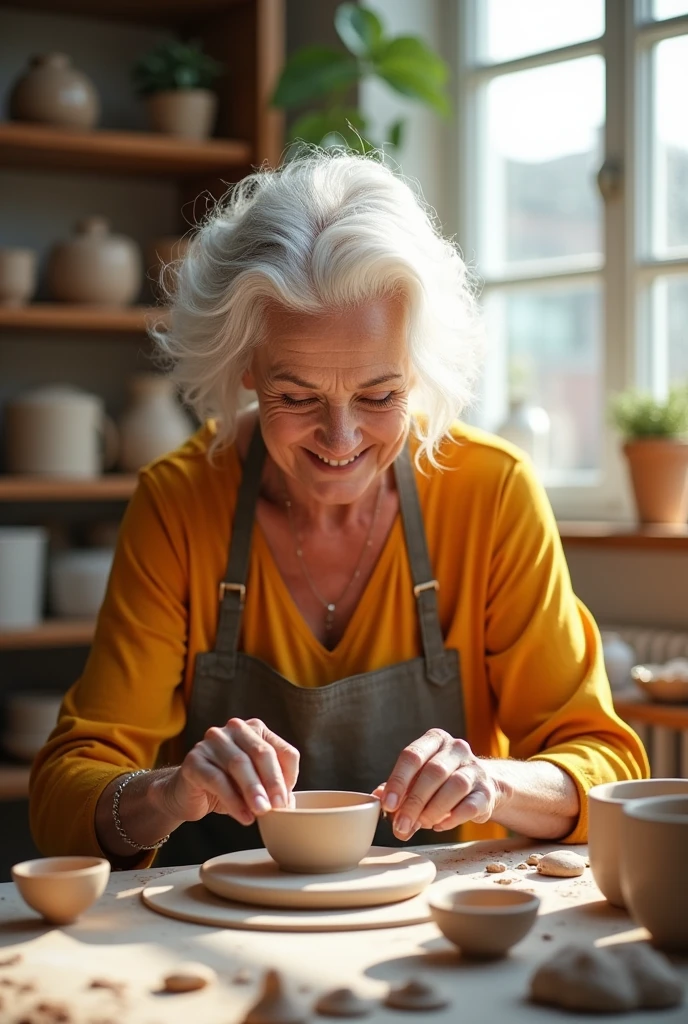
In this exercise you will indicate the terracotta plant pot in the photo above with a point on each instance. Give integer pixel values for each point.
(51, 91)
(188, 113)
(659, 474)
(95, 267)
(162, 257)
(17, 276)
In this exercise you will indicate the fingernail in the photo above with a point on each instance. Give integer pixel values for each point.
(278, 800)
(403, 826)
(390, 801)
(261, 804)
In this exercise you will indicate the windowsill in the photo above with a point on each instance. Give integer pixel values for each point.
(656, 537)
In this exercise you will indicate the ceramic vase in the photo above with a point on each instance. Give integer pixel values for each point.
(95, 267)
(163, 256)
(187, 113)
(153, 424)
(22, 575)
(52, 92)
(17, 276)
(528, 427)
(659, 474)
(619, 659)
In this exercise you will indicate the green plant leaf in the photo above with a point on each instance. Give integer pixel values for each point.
(359, 29)
(411, 68)
(637, 414)
(174, 65)
(395, 133)
(316, 127)
(312, 73)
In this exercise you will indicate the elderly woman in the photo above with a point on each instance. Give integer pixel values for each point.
(343, 587)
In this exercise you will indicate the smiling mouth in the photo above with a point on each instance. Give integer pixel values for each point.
(337, 462)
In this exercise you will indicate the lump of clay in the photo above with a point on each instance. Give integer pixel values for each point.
(521, 867)
(275, 1005)
(581, 978)
(612, 979)
(188, 977)
(657, 984)
(561, 864)
(496, 867)
(534, 859)
(416, 994)
(342, 1002)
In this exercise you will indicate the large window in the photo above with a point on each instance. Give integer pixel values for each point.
(574, 174)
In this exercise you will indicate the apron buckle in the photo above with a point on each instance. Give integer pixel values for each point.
(420, 587)
(235, 587)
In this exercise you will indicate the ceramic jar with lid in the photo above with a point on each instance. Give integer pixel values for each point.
(53, 92)
(154, 423)
(95, 266)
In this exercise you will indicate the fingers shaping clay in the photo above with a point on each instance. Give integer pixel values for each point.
(610, 980)
(561, 864)
(416, 994)
(342, 1002)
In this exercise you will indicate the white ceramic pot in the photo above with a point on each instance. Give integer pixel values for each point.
(528, 427)
(153, 424)
(58, 431)
(78, 581)
(22, 575)
(95, 266)
(619, 659)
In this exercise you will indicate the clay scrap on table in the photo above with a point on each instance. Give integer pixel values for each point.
(561, 864)
(496, 867)
(275, 1005)
(533, 859)
(612, 979)
(416, 994)
(188, 977)
(343, 1002)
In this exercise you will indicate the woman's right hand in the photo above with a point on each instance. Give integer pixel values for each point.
(241, 769)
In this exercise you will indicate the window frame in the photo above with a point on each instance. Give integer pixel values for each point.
(628, 269)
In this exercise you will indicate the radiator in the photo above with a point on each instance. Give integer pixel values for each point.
(666, 748)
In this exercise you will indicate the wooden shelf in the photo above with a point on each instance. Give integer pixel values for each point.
(634, 707)
(51, 633)
(657, 537)
(54, 316)
(41, 147)
(110, 487)
(14, 781)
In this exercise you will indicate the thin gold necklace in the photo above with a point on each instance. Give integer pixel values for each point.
(331, 606)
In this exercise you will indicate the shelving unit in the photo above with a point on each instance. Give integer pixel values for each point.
(54, 316)
(110, 487)
(14, 781)
(615, 535)
(50, 633)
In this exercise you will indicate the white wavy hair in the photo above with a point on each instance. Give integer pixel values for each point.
(323, 233)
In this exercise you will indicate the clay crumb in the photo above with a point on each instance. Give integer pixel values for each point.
(546, 936)
(188, 977)
(503, 881)
(534, 859)
(11, 961)
(521, 867)
(495, 867)
(118, 988)
(243, 976)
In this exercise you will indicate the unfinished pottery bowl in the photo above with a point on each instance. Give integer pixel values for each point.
(61, 888)
(484, 922)
(605, 806)
(654, 855)
(326, 830)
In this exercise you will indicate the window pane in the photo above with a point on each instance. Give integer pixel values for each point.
(669, 195)
(514, 28)
(669, 9)
(542, 149)
(666, 335)
(546, 350)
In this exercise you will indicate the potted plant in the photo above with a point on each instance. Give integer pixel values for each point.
(320, 80)
(655, 436)
(175, 79)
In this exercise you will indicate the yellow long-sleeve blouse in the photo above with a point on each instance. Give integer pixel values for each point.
(533, 675)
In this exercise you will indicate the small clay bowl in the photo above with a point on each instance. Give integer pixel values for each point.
(484, 922)
(326, 830)
(61, 888)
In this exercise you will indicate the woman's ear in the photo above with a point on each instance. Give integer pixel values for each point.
(248, 380)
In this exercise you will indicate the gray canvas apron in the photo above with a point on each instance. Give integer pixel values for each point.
(349, 732)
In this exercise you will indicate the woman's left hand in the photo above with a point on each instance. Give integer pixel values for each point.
(438, 783)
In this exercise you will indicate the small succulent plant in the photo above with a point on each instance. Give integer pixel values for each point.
(637, 414)
(175, 65)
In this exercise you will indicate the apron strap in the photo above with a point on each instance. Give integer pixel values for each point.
(232, 590)
(425, 587)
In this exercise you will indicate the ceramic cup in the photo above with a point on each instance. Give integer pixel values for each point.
(605, 806)
(654, 858)
(61, 888)
(484, 922)
(22, 575)
(77, 581)
(326, 830)
(18, 269)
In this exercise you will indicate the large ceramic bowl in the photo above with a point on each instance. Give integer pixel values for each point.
(61, 888)
(654, 859)
(484, 922)
(605, 806)
(326, 830)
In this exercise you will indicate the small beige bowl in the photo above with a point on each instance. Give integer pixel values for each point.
(605, 806)
(61, 888)
(326, 830)
(484, 922)
(654, 857)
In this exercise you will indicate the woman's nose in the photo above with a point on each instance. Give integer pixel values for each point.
(339, 434)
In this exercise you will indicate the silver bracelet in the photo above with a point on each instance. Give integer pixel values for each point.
(118, 821)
